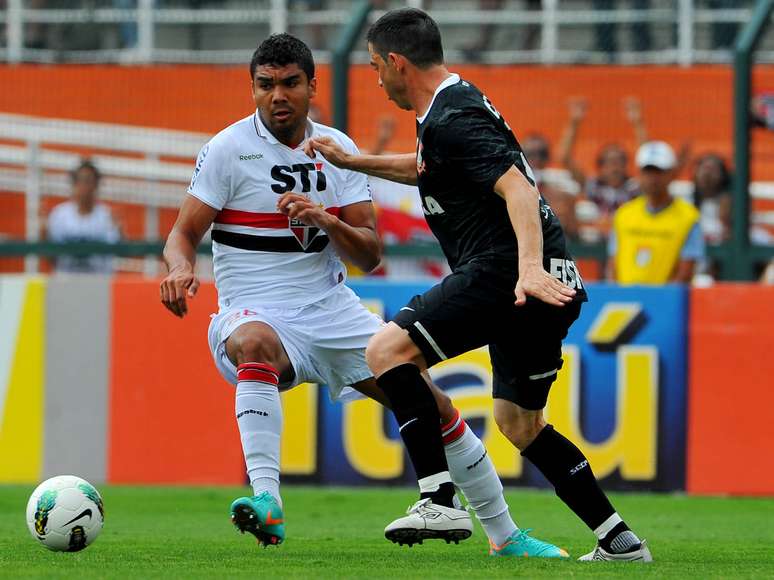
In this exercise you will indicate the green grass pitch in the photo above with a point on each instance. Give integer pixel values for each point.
(167, 532)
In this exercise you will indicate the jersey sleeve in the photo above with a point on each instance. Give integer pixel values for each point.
(211, 180)
(470, 143)
(356, 187)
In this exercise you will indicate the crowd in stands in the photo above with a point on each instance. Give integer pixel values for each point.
(651, 236)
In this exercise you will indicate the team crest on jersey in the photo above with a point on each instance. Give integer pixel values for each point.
(421, 167)
(305, 234)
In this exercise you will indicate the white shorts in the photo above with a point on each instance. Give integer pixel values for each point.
(325, 341)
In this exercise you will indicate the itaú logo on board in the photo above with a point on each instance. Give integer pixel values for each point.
(628, 416)
(631, 443)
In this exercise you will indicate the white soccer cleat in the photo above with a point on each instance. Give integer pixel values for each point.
(428, 521)
(598, 554)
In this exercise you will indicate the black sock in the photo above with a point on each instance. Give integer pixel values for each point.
(444, 495)
(417, 414)
(568, 470)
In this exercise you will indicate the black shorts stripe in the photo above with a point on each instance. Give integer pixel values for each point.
(268, 243)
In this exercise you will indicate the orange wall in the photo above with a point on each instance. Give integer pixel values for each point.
(730, 395)
(680, 104)
(169, 408)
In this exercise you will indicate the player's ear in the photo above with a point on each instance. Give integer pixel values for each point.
(313, 87)
(395, 60)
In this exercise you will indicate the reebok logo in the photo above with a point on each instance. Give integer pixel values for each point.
(251, 157)
(578, 467)
(252, 412)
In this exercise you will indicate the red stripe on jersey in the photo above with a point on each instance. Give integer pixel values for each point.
(277, 221)
(257, 372)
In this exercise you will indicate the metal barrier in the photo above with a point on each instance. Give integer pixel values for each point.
(147, 26)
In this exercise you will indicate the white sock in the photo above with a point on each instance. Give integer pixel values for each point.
(472, 471)
(259, 416)
(605, 527)
(433, 483)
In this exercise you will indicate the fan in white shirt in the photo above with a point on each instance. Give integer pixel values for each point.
(83, 219)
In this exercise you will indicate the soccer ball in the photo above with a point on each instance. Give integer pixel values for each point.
(65, 513)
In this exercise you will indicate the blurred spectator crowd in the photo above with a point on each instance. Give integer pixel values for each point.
(636, 213)
(651, 235)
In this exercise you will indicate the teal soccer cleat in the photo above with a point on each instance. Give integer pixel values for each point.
(521, 544)
(262, 516)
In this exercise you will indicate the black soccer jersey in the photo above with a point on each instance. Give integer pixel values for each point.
(463, 147)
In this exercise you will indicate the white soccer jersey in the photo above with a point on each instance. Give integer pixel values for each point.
(66, 224)
(260, 256)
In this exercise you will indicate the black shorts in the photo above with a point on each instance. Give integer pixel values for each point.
(474, 307)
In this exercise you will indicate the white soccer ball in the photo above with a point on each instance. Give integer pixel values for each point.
(65, 513)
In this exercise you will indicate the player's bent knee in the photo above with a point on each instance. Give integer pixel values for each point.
(520, 428)
(389, 348)
(377, 354)
(255, 346)
(382, 352)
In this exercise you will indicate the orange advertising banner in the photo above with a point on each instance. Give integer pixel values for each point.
(171, 414)
(730, 394)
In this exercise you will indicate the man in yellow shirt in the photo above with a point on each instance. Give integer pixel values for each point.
(656, 238)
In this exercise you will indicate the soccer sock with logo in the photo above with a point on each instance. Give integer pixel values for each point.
(472, 471)
(416, 411)
(568, 470)
(259, 416)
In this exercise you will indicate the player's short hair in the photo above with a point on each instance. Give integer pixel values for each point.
(88, 165)
(409, 32)
(282, 50)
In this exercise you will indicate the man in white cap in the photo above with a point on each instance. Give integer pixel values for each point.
(656, 238)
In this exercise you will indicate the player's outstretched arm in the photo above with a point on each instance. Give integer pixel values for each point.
(193, 220)
(522, 201)
(399, 167)
(352, 233)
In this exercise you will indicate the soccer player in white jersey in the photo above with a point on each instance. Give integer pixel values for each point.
(280, 222)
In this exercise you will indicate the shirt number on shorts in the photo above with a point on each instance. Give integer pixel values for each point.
(566, 272)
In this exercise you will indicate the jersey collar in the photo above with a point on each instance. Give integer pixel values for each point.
(449, 81)
(264, 133)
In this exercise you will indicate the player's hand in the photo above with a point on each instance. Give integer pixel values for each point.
(304, 210)
(180, 283)
(331, 150)
(535, 281)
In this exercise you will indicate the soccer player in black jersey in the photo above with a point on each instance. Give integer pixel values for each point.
(499, 237)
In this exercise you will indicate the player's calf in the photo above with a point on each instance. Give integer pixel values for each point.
(569, 471)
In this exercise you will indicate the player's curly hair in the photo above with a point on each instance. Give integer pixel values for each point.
(282, 50)
(409, 32)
